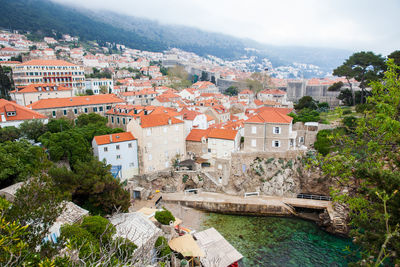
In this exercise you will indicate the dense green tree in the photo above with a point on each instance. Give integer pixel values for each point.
(89, 92)
(66, 145)
(99, 227)
(364, 67)
(164, 216)
(306, 115)
(97, 190)
(395, 55)
(59, 125)
(20, 160)
(336, 86)
(231, 91)
(32, 129)
(37, 204)
(306, 102)
(5, 85)
(13, 249)
(204, 76)
(9, 133)
(367, 165)
(85, 119)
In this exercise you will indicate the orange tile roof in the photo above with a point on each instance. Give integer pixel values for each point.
(223, 134)
(196, 135)
(42, 62)
(76, 101)
(270, 116)
(114, 138)
(189, 114)
(246, 92)
(33, 88)
(22, 113)
(9, 62)
(273, 92)
(155, 120)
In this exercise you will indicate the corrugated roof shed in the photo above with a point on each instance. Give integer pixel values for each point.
(219, 252)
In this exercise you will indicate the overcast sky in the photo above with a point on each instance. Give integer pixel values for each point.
(349, 24)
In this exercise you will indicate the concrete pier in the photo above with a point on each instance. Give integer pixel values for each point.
(254, 205)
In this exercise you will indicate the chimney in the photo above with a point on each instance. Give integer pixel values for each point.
(110, 138)
(169, 121)
(3, 118)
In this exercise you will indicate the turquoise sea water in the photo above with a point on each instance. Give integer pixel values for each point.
(276, 241)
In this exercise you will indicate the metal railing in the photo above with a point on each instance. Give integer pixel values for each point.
(315, 197)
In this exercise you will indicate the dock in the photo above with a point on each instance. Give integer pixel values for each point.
(254, 205)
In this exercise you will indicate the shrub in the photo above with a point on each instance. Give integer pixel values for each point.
(185, 178)
(99, 227)
(346, 112)
(125, 247)
(80, 239)
(268, 161)
(164, 217)
(162, 247)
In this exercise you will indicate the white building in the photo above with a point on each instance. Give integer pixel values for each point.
(97, 84)
(222, 142)
(119, 150)
(12, 114)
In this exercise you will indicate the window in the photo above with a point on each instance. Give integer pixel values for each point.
(123, 121)
(65, 112)
(291, 142)
(148, 132)
(105, 149)
(75, 111)
(100, 108)
(132, 164)
(117, 147)
(117, 120)
(213, 142)
(276, 143)
(118, 156)
(209, 150)
(54, 114)
(166, 164)
(86, 110)
(95, 109)
(130, 145)
(165, 129)
(150, 157)
(149, 145)
(277, 130)
(176, 127)
(112, 119)
(253, 142)
(253, 129)
(108, 107)
(301, 139)
(220, 166)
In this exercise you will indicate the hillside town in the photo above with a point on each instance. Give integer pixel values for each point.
(179, 133)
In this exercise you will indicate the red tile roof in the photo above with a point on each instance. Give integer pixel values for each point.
(196, 135)
(273, 92)
(154, 120)
(41, 62)
(33, 88)
(76, 101)
(22, 113)
(246, 92)
(114, 138)
(270, 116)
(227, 134)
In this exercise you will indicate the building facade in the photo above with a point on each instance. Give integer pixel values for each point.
(12, 114)
(98, 86)
(269, 130)
(119, 150)
(72, 107)
(58, 72)
(161, 140)
(34, 92)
